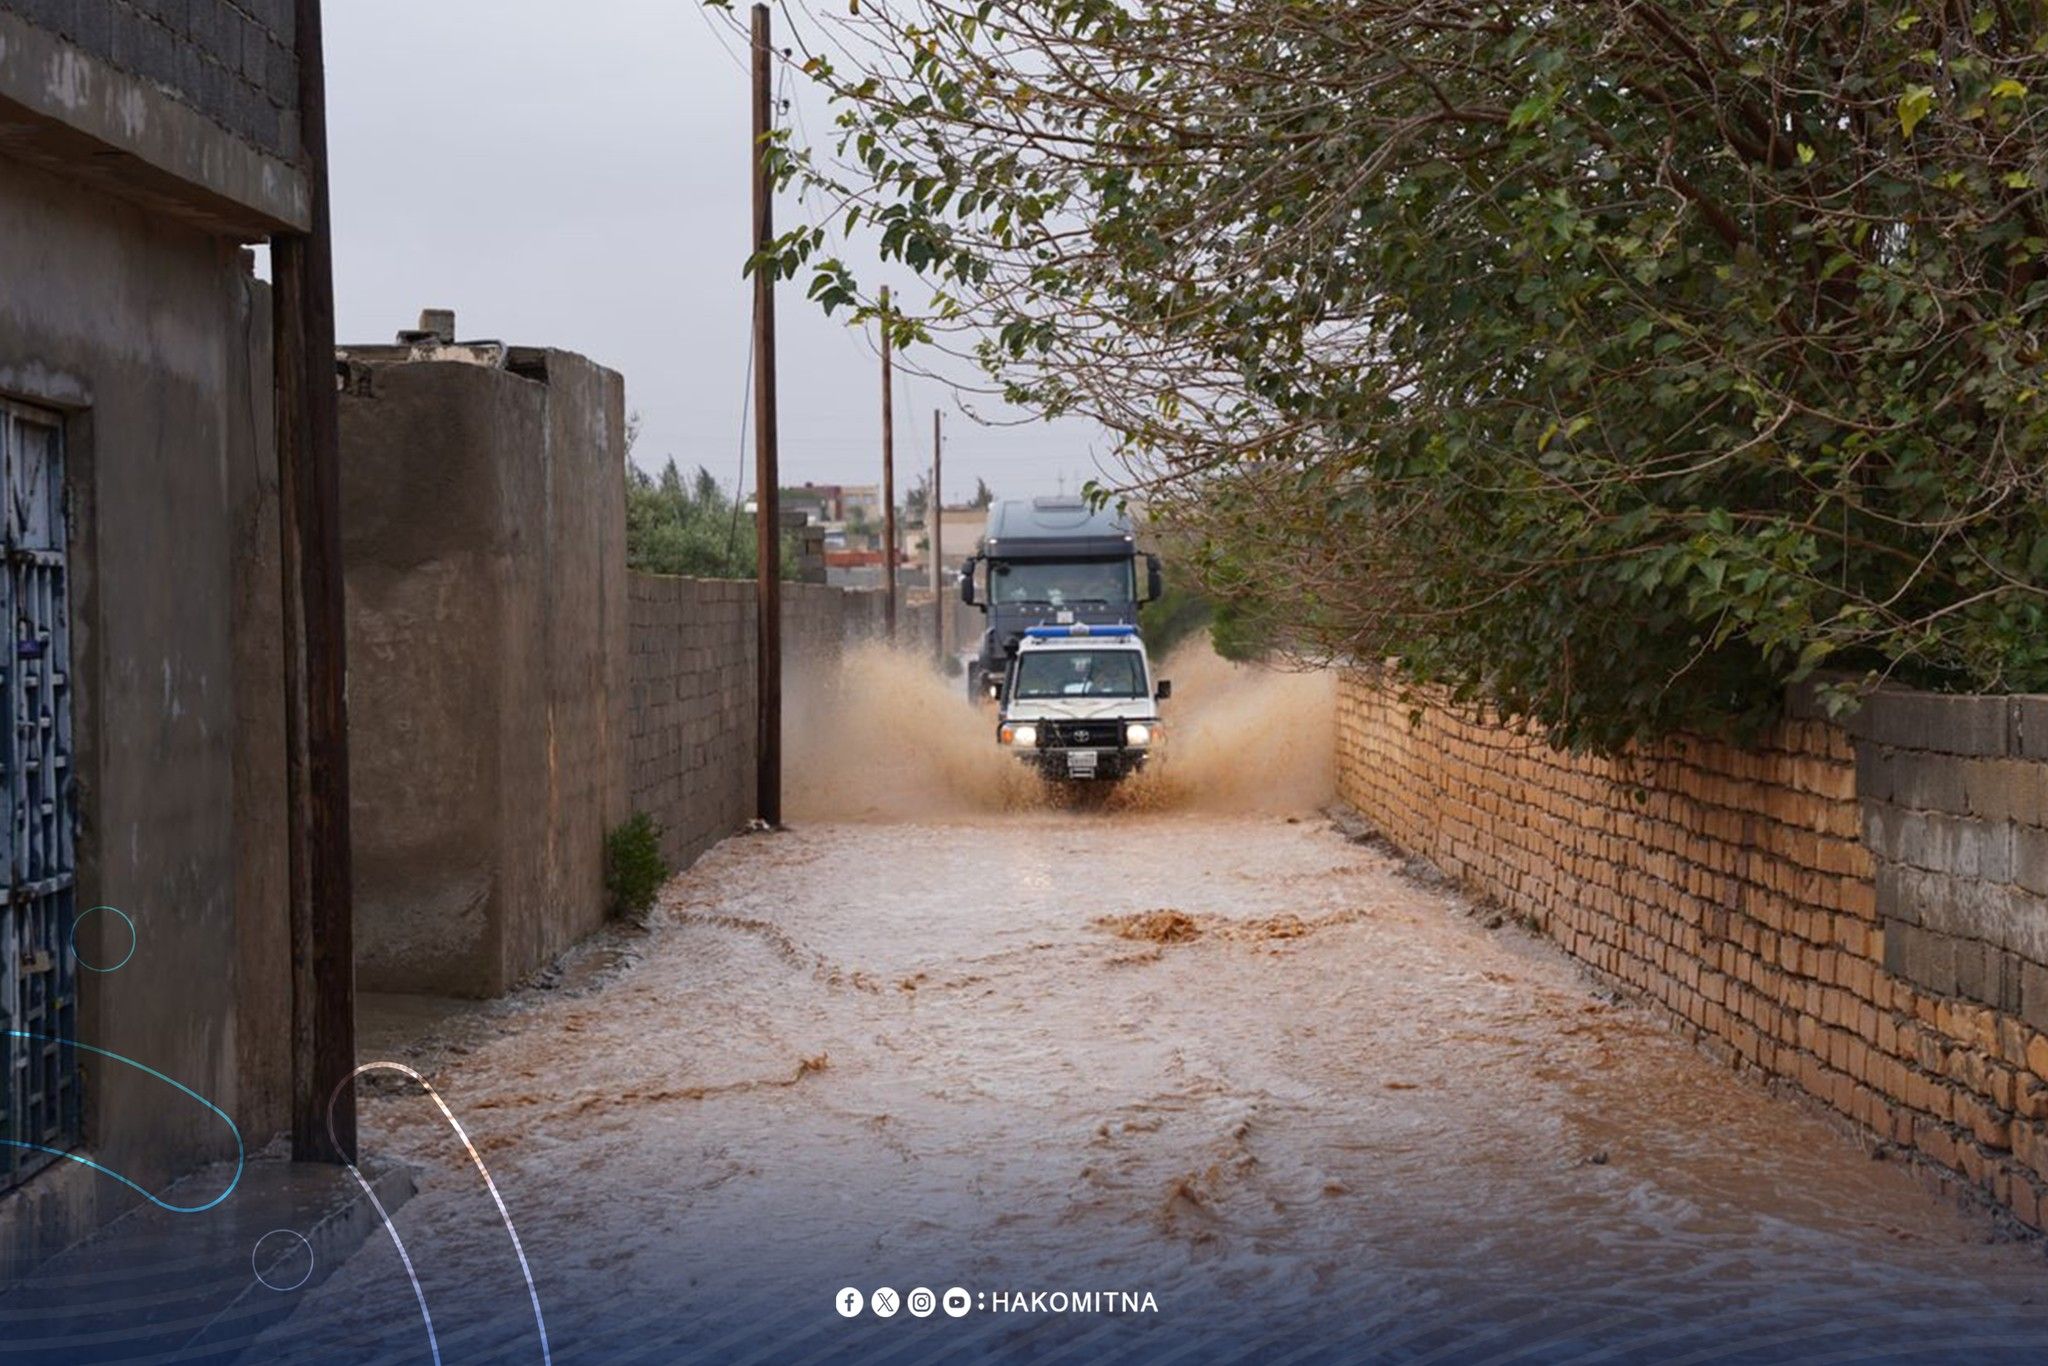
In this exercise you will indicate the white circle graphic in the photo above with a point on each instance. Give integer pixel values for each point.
(285, 1262)
(884, 1302)
(922, 1302)
(957, 1303)
(848, 1302)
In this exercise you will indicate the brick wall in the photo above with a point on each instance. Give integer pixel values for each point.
(690, 713)
(1888, 979)
(232, 60)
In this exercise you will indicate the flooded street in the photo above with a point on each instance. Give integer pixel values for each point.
(1240, 1063)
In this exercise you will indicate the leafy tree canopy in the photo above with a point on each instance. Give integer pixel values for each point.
(1616, 362)
(688, 527)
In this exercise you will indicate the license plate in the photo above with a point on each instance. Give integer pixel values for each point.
(1081, 763)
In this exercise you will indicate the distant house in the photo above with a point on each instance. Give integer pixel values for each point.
(142, 811)
(960, 529)
(817, 503)
(836, 504)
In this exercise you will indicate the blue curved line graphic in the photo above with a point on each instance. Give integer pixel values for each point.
(241, 1152)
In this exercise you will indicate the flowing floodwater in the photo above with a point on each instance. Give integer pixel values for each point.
(1229, 1058)
(887, 738)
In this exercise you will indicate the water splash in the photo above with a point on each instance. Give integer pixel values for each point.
(886, 737)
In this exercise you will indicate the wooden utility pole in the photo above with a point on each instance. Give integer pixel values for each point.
(322, 905)
(938, 524)
(888, 470)
(767, 473)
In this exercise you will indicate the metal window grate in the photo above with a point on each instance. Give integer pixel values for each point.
(40, 1113)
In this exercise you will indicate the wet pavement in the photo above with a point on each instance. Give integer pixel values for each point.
(1315, 1109)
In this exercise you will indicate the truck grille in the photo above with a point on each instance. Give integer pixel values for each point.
(1107, 733)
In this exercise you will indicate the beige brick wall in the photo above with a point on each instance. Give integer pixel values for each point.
(1732, 886)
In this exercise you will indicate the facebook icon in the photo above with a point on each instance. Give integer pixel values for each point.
(848, 1302)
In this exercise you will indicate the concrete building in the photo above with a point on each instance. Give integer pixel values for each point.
(483, 506)
(835, 504)
(142, 143)
(960, 531)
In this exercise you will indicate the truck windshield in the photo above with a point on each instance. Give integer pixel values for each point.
(1080, 673)
(1105, 582)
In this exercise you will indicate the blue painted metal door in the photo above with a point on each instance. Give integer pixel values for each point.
(40, 1113)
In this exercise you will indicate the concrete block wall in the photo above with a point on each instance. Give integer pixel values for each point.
(1956, 816)
(690, 708)
(1845, 909)
(691, 679)
(231, 60)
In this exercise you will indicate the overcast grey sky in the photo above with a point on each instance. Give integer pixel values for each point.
(573, 173)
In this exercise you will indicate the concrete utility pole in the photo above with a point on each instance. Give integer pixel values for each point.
(322, 902)
(938, 539)
(888, 469)
(767, 474)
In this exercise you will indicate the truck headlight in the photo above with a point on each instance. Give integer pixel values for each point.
(1137, 733)
(1020, 735)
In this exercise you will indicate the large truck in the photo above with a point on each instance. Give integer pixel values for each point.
(1050, 562)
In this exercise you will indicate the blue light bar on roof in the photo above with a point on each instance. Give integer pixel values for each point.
(1079, 628)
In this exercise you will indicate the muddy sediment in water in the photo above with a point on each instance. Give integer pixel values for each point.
(1239, 1062)
(1154, 927)
(1188, 1041)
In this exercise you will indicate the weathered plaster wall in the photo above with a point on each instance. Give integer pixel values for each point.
(1859, 911)
(483, 516)
(584, 625)
(154, 340)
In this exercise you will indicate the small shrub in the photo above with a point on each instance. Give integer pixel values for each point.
(634, 869)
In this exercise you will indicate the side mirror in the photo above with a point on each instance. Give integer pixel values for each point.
(1155, 580)
(1165, 688)
(967, 582)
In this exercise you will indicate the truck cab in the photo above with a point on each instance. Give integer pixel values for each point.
(1080, 702)
(1050, 562)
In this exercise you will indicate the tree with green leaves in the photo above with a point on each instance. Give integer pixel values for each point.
(1614, 363)
(917, 498)
(693, 528)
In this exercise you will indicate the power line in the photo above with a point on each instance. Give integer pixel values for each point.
(703, 12)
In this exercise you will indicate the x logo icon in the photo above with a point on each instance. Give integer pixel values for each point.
(885, 1302)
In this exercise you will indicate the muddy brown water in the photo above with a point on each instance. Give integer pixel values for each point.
(1191, 1042)
(1242, 1063)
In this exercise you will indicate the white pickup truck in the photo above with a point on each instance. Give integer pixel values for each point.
(1080, 702)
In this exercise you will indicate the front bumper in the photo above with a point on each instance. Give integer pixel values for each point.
(1074, 764)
